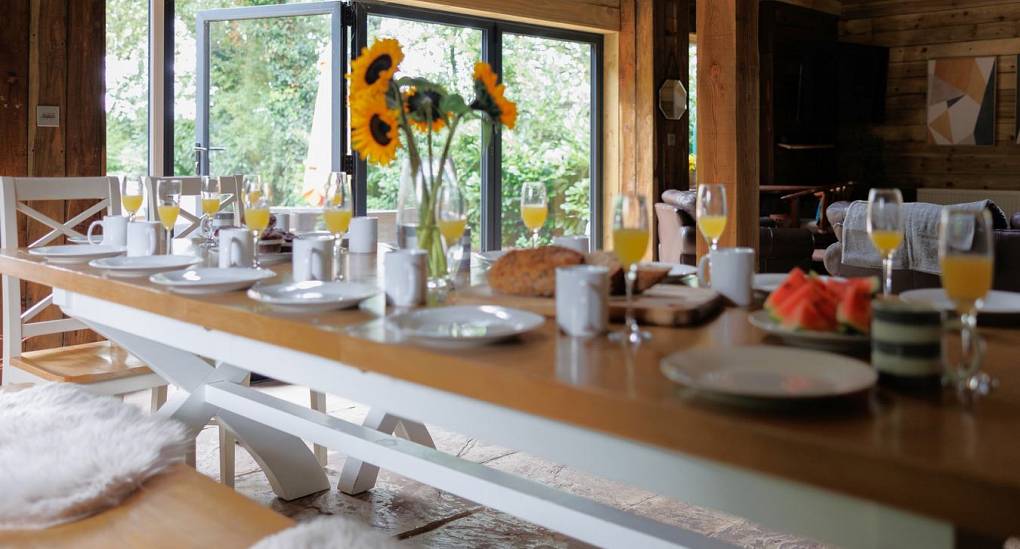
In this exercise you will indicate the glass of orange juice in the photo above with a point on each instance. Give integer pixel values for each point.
(534, 208)
(337, 211)
(451, 216)
(630, 242)
(168, 206)
(711, 211)
(132, 189)
(885, 227)
(210, 189)
(256, 212)
(966, 256)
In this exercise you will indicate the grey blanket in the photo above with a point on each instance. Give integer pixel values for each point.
(920, 248)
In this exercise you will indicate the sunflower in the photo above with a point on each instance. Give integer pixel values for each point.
(374, 130)
(372, 70)
(489, 96)
(422, 106)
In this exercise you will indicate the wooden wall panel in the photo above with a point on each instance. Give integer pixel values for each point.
(587, 15)
(896, 152)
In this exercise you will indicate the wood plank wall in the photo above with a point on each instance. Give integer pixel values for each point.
(52, 53)
(915, 31)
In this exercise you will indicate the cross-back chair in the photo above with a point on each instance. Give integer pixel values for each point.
(101, 367)
(191, 186)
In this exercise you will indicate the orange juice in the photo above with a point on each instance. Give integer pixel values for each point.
(168, 215)
(254, 197)
(337, 221)
(966, 278)
(452, 229)
(210, 206)
(534, 216)
(630, 245)
(132, 202)
(257, 219)
(712, 226)
(886, 241)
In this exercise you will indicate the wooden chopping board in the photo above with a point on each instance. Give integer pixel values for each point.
(660, 305)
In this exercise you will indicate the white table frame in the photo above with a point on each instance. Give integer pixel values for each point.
(273, 430)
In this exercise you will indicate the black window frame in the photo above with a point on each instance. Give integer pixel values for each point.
(491, 161)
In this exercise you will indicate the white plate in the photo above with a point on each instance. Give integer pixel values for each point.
(275, 258)
(769, 282)
(465, 325)
(76, 253)
(208, 280)
(768, 372)
(996, 302)
(811, 339)
(675, 269)
(491, 256)
(130, 267)
(312, 296)
(78, 240)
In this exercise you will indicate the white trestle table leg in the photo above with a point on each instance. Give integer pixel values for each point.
(358, 476)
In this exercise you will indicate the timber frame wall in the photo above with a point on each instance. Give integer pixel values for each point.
(897, 152)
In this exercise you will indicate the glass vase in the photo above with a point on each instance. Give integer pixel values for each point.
(416, 213)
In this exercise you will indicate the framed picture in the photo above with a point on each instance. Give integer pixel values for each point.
(961, 101)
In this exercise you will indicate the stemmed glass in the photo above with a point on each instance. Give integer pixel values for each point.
(711, 212)
(630, 241)
(885, 227)
(210, 187)
(337, 211)
(966, 254)
(168, 205)
(132, 189)
(451, 216)
(534, 208)
(256, 212)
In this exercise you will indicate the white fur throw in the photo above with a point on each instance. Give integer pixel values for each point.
(328, 533)
(66, 454)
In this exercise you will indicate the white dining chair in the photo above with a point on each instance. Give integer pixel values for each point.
(231, 188)
(100, 367)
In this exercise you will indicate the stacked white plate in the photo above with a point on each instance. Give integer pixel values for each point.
(76, 253)
(207, 280)
(996, 302)
(131, 267)
(464, 326)
(312, 296)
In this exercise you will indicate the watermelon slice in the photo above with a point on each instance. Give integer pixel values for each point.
(854, 310)
(793, 281)
(806, 315)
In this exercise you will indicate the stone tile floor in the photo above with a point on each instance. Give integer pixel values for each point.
(429, 517)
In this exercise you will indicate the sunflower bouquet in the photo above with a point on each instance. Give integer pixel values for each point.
(388, 112)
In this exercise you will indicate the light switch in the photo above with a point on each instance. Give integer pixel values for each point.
(47, 117)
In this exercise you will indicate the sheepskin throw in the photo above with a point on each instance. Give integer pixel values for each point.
(66, 454)
(328, 533)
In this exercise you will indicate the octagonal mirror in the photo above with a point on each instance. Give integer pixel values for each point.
(673, 99)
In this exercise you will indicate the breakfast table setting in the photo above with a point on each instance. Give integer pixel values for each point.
(711, 403)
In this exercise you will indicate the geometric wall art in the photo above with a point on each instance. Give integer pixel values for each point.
(961, 101)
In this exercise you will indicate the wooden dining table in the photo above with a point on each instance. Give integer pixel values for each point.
(888, 468)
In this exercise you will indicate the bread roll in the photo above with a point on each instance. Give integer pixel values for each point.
(531, 272)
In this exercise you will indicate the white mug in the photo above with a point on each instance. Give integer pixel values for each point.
(576, 243)
(405, 279)
(236, 248)
(731, 271)
(363, 235)
(145, 238)
(313, 257)
(582, 300)
(114, 230)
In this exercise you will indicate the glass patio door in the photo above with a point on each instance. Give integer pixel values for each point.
(269, 83)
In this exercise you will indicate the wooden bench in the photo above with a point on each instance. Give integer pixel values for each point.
(179, 508)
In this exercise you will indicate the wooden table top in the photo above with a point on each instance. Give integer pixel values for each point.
(921, 452)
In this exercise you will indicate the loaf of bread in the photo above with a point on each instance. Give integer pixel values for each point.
(531, 272)
(647, 275)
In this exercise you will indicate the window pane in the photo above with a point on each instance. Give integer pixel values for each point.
(551, 82)
(446, 55)
(127, 88)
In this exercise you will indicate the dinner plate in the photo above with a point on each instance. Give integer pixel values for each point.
(766, 372)
(769, 282)
(675, 269)
(830, 341)
(76, 253)
(209, 280)
(130, 267)
(996, 302)
(312, 296)
(464, 325)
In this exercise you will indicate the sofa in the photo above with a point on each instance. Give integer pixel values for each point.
(779, 249)
(1007, 256)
